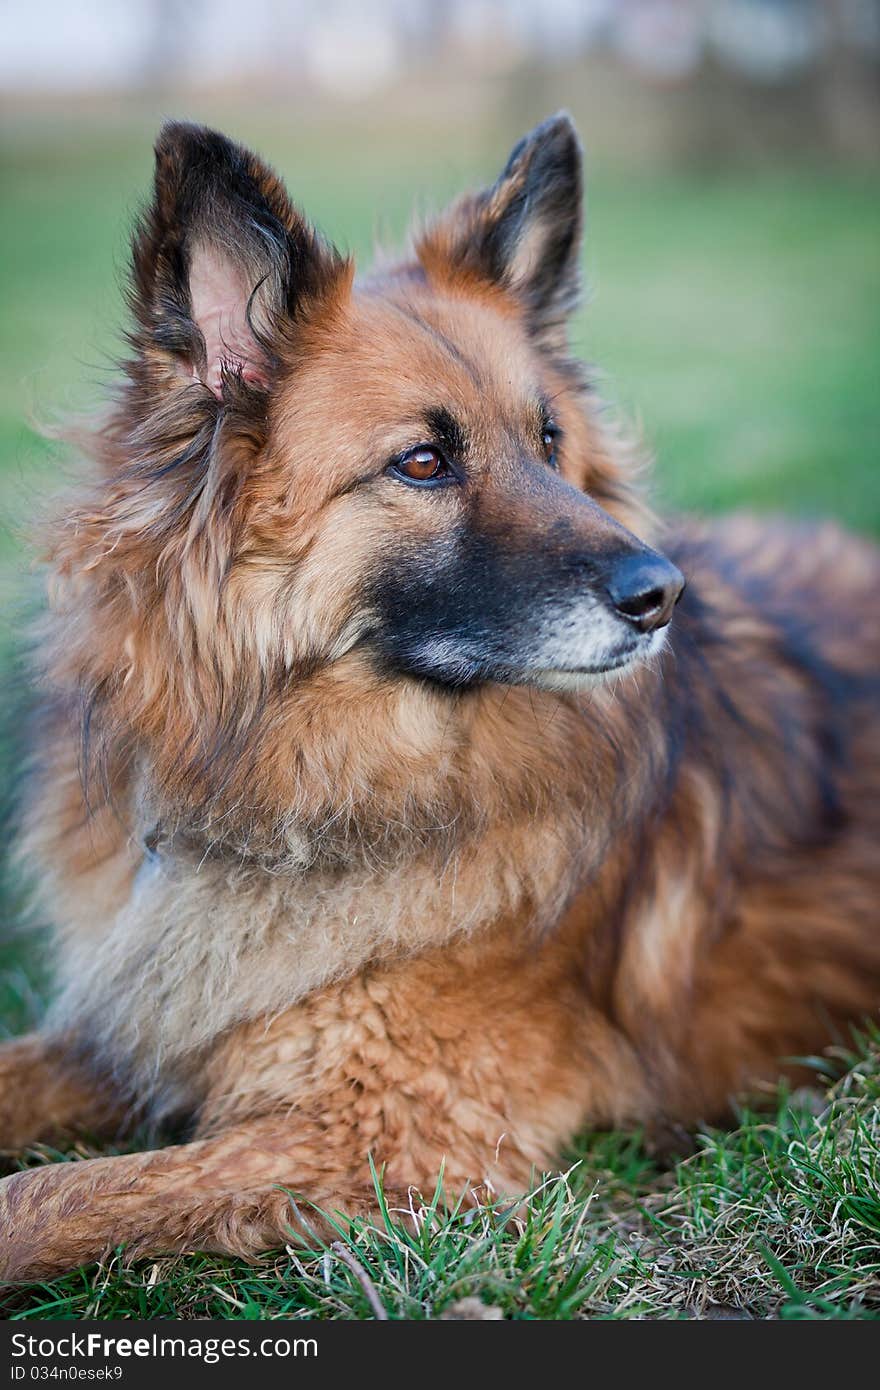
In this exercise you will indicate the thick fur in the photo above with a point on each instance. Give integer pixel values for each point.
(350, 845)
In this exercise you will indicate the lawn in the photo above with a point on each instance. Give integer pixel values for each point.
(736, 316)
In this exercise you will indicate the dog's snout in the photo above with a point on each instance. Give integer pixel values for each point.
(645, 588)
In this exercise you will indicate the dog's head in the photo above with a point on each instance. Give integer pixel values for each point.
(326, 507)
(404, 466)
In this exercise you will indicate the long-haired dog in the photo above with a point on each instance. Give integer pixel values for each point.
(393, 797)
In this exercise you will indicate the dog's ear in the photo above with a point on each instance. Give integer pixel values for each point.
(223, 263)
(523, 233)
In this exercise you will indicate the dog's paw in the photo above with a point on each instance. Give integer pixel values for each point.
(29, 1245)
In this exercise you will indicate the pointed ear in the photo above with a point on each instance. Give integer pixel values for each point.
(523, 233)
(222, 262)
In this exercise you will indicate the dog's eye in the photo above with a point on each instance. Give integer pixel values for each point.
(550, 440)
(422, 465)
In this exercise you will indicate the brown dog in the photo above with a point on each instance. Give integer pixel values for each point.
(351, 844)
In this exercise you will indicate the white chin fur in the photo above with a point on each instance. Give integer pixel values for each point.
(574, 678)
(576, 652)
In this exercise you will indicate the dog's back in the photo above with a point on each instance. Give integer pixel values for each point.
(751, 905)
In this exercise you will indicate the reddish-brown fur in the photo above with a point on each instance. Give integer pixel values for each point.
(330, 912)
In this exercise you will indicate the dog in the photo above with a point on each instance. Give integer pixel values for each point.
(394, 796)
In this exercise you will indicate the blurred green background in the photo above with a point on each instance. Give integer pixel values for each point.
(733, 244)
(734, 312)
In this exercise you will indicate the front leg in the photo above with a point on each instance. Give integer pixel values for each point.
(225, 1194)
(45, 1094)
(482, 1062)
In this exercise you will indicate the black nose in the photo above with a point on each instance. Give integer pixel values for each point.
(645, 588)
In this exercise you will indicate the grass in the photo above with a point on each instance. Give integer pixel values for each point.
(737, 314)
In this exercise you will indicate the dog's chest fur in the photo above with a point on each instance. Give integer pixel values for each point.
(201, 948)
